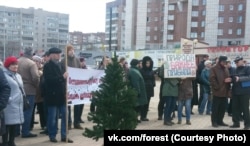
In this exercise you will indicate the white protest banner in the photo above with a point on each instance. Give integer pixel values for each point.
(179, 65)
(81, 83)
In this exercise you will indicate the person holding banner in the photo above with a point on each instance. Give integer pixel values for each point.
(185, 96)
(55, 88)
(73, 62)
(170, 92)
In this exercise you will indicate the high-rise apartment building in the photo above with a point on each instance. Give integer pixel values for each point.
(20, 28)
(160, 24)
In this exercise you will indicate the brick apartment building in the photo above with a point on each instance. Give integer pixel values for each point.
(160, 24)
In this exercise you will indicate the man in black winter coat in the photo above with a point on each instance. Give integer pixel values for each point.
(241, 93)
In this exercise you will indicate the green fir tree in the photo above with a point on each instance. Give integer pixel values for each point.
(115, 103)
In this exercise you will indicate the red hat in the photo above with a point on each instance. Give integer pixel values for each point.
(10, 60)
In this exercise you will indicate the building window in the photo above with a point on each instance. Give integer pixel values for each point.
(195, 13)
(148, 38)
(155, 38)
(156, 28)
(170, 27)
(171, 7)
(240, 7)
(170, 17)
(221, 7)
(239, 20)
(231, 19)
(238, 42)
(204, 13)
(148, 29)
(220, 32)
(230, 31)
(194, 24)
(204, 2)
(195, 2)
(239, 31)
(202, 34)
(149, 10)
(193, 35)
(231, 7)
(221, 20)
(202, 23)
(156, 18)
(170, 37)
(219, 43)
(148, 19)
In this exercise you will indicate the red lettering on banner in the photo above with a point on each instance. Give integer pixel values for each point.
(228, 49)
(181, 65)
(81, 82)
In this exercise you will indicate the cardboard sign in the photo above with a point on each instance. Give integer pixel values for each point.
(179, 65)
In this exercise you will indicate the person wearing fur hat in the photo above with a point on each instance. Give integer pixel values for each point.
(149, 79)
(13, 113)
(137, 82)
(73, 61)
(28, 69)
(220, 84)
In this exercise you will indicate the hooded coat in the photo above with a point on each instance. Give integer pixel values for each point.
(148, 76)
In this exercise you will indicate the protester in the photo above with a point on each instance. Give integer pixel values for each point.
(201, 66)
(55, 96)
(206, 101)
(185, 95)
(220, 84)
(28, 69)
(13, 113)
(170, 95)
(241, 93)
(4, 97)
(137, 82)
(149, 80)
(74, 62)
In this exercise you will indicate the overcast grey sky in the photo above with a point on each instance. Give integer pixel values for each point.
(85, 15)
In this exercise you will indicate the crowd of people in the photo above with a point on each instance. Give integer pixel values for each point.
(42, 79)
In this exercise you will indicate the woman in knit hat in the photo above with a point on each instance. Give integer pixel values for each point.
(13, 113)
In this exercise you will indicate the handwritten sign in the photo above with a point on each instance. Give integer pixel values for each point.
(179, 65)
(81, 84)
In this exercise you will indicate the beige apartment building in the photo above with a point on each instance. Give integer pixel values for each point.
(160, 24)
(37, 28)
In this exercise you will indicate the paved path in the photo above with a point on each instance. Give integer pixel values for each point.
(199, 122)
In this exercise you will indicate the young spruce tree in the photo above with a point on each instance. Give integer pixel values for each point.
(115, 103)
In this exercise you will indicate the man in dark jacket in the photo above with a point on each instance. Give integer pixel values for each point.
(220, 85)
(55, 91)
(4, 98)
(241, 93)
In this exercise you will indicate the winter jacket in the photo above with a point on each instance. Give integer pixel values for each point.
(148, 76)
(136, 81)
(13, 113)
